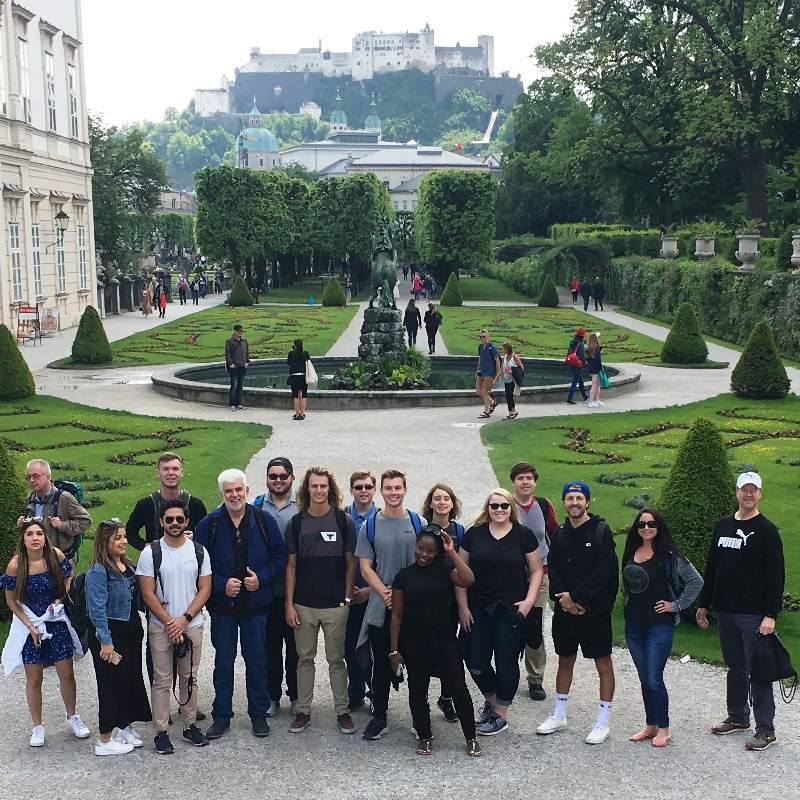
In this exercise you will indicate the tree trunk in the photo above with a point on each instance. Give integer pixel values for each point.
(754, 175)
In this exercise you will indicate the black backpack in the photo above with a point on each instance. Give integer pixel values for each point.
(76, 609)
(158, 558)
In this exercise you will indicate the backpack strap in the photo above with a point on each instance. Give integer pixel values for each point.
(459, 528)
(370, 523)
(296, 522)
(416, 522)
(341, 522)
(262, 526)
(158, 557)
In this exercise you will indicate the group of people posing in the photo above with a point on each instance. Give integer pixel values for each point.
(395, 593)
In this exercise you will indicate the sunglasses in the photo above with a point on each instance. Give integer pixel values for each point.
(177, 519)
(363, 487)
(650, 523)
(26, 520)
(430, 530)
(111, 523)
(274, 476)
(495, 506)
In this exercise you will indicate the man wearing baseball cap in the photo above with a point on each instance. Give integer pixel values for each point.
(584, 578)
(744, 581)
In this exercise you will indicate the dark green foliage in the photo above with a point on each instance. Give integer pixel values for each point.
(549, 296)
(760, 374)
(91, 343)
(684, 343)
(240, 294)
(783, 253)
(13, 494)
(17, 382)
(699, 490)
(333, 294)
(451, 296)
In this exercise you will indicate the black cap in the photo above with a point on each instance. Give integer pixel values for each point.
(282, 461)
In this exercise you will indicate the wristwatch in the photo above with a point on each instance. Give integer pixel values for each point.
(348, 601)
(188, 616)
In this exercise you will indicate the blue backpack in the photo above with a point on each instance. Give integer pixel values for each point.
(416, 522)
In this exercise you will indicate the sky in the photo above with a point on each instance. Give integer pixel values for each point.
(143, 57)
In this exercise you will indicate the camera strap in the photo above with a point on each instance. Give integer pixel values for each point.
(190, 682)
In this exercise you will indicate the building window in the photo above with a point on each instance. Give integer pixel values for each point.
(174, 203)
(405, 205)
(72, 80)
(16, 262)
(36, 255)
(61, 269)
(386, 184)
(3, 106)
(260, 162)
(50, 87)
(24, 81)
(83, 280)
(396, 205)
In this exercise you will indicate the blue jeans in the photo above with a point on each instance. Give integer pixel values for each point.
(650, 646)
(497, 634)
(249, 633)
(577, 380)
(237, 384)
(357, 676)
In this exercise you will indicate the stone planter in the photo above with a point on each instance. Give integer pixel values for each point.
(704, 246)
(669, 247)
(748, 252)
(796, 250)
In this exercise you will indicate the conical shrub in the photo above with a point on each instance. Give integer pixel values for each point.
(760, 374)
(91, 343)
(13, 494)
(17, 382)
(333, 294)
(684, 343)
(451, 296)
(548, 298)
(240, 294)
(699, 490)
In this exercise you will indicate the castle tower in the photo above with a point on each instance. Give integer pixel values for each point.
(373, 121)
(338, 119)
(487, 43)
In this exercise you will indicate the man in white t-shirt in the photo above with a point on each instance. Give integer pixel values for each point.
(175, 581)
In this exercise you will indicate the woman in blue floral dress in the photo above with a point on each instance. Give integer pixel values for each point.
(35, 582)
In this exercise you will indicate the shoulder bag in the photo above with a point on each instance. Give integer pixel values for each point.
(311, 374)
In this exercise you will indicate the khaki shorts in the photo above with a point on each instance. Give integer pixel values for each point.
(483, 385)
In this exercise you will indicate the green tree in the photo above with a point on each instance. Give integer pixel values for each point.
(175, 230)
(91, 343)
(549, 295)
(296, 194)
(240, 294)
(404, 235)
(454, 222)
(759, 373)
(451, 296)
(684, 343)
(17, 383)
(13, 494)
(333, 295)
(699, 491)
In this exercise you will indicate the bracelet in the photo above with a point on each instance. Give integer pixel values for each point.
(394, 653)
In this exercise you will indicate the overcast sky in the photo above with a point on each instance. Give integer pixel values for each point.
(145, 56)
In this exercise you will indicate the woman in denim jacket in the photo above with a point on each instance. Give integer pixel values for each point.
(115, 640)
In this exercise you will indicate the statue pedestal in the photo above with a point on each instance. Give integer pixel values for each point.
(382, 336)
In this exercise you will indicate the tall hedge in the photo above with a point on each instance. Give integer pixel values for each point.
(13, 494)
(91, 343)
(333, 294)
(451, 296)
(759, 373)
(240, 294)
(17, 382)
(699, 490)
(684, 343)
(549, 296)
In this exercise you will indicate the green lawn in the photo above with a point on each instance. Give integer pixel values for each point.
(269, 330)
(539, 332)
(622, 456)
(489, 290)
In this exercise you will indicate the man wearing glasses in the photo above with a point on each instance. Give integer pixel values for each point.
(64, 519)
(279, 502)
(488, 372)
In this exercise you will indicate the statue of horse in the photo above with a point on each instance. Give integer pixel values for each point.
(384, 267)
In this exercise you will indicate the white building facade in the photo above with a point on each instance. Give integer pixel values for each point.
(45, 169)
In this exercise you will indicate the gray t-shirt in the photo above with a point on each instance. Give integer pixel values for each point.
(282, 517)
(393, 549)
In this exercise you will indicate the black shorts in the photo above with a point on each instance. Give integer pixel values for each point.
(298, 385)
(592, 635)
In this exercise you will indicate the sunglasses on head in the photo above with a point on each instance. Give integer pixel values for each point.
(26, 520)
(430, 530)
(363, 487)
(495, 506)
(178, 519)
(650, 523)
(278, 476)
(111, 523)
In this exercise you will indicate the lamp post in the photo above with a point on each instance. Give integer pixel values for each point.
(61, 223)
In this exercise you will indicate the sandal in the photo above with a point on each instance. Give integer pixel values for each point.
(493, 406)
(424, 748)
(661, 741)
(485, 415)
(513, 415)
(474, 749)
(295, 416)
(642, 736)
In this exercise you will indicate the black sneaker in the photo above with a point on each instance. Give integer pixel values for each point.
(193, 735)
(218, 728)
(163, 744)
(260, 727)
(535, 692)
(447, 708)
(761, 741)
(376, 728)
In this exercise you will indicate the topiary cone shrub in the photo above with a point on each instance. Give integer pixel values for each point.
(759, 373)
(17, 382)
(333, 294)
(699, 490)
(13, 505)
(684, 343)
(91, 343)
(240, 294)
(451, 296)
(549, 294)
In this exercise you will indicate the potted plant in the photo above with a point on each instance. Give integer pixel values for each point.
(669, 242)
(748, 235)
(704, 241)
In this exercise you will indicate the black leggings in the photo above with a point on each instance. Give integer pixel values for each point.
(509, 387)
(420, 660)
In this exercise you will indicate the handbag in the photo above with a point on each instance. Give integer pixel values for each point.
(518, 374)
(311, 374)
(605, 383)
(573, 360)
(771, 664)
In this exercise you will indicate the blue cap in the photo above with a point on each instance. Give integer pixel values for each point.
(576, 486)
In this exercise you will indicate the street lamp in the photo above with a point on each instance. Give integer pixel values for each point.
(61, 222)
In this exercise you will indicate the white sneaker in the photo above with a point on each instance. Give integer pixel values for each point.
(599, 403)
(78, 727)
(37, 736)
(597, 735)
(551, 725)
(591, 405)
(129, 736)
(113, 747)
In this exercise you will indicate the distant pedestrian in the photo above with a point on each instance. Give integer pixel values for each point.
(598, 292)
(218, 279)
(433, 319)
(195, 285)
(348, 291)
(510, 360)
(574, 287)
(427, 285)
(413, 269)
(412, 321)
(405, 271)
(586, 293)
(183, 287)
(237, 360)
(488, 372)
(297, 360)
(162, 302)
(577, 346)
(203, 282)
(416, 287)
(147, 300)
(593, 366)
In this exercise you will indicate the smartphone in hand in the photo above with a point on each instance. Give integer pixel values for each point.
(115, 658)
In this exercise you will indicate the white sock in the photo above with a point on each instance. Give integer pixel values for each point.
(603, 714)
(561, 707)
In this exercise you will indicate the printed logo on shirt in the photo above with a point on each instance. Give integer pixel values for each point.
(744, 536)
(329, 536)
(588, 544)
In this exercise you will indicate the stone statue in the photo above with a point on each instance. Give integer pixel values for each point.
(384, 267)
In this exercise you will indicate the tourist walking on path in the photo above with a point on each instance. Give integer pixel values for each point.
(36, 581)
(586, 293)
(593, 366)
(412, 322)
(160, 298)
(405, 271)
(433, 319)
(487, 373)
(504, 557)
(195, 285)
(510, 361)
(115, 640)
(416, 287)
(237, 359)
(743, 584)
(658, 583)
(577, 346)
(297, 360)
(598, 292)
(422, 634)
(147, 301)
(574, 287)
(183, 287)
(348, 290)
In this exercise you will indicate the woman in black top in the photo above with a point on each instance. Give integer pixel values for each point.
(422, 634)
(297, 378)
(508, 573)
(412, 322)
